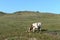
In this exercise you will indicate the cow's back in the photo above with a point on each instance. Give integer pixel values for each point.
(36, 24)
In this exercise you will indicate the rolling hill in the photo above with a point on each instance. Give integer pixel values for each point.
(14, 26)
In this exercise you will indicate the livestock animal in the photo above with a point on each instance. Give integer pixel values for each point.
(35, 27)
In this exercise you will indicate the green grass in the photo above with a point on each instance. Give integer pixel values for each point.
(14, 26)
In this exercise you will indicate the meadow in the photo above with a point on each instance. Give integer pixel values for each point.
(14, 26)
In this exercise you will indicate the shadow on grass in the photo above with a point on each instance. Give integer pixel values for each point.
(54, 32)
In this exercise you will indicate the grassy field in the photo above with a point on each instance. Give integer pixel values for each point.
(14, 26)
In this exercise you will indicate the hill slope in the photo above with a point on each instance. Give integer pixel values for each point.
(13, 26)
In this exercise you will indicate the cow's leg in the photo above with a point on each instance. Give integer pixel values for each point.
(39, 28)
(33, 29)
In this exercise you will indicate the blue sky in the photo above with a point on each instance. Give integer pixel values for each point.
(10, 6)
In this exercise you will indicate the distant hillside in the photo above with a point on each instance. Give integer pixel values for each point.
(30, 12)
(2, 13)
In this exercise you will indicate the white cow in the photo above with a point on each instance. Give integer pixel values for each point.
(35, 27)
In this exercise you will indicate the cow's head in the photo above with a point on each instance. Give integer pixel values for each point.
(30, 28)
